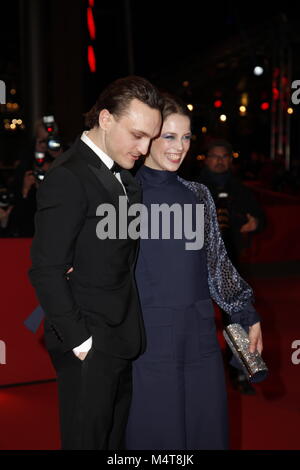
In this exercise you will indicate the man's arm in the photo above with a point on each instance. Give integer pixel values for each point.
(60, 214)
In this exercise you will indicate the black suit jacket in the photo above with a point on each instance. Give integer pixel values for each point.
(99, 298)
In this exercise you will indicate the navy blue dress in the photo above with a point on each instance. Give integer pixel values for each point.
(179, 397)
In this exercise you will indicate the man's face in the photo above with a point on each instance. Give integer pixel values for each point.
(128, 137)
(218, 160)
(41, 139)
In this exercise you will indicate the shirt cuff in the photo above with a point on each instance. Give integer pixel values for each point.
(84, 347)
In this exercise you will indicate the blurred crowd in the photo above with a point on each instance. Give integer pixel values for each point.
(20, 179)
(22, 175)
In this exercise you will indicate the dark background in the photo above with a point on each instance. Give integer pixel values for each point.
(213, 46)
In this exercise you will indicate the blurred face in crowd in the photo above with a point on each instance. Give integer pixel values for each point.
(41, 139)
(218, 160)
(125, 138)
(168, 151)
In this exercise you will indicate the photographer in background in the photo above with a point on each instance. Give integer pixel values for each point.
(6, 207)
(47, 147)
(239, 216)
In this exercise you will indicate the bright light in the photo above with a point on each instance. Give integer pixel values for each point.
(264, 106)
(258, 70)
(223, 117)
(218, 104)
(290, 110)
(190, 107)
(235, 154)
(19, 121)
(204, 130)
(91, 59)
(200, 157)
(13, 126)
(244, 99)
(243, 109)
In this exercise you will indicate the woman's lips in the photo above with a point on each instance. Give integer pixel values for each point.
(174, 158)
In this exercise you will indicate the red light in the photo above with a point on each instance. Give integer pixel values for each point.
(218, 104)
(91, 3)
(264, 106)
(50, 129)
(275, 92)
(91, 59)
(91, 23)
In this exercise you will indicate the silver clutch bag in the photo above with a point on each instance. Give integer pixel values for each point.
(252, 364)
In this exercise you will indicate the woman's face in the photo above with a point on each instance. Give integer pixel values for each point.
(168, 151)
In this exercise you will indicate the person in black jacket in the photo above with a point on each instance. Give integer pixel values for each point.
(84, 281)
(239, 216)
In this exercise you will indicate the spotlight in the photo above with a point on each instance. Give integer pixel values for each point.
(258, 70)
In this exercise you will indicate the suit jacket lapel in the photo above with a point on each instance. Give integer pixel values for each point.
(108, 180)
(132, 186)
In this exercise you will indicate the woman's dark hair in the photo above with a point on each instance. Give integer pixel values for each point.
(174, 105)
(116, 98)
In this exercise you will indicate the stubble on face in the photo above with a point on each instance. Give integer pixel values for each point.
(129, 135)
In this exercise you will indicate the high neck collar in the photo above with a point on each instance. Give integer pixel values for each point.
(155, 177)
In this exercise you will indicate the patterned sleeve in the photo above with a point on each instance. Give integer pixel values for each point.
(227, 288)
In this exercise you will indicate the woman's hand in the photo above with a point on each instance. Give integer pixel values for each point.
(255, 336)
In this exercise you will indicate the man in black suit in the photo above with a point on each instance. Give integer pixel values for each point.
(85, 283)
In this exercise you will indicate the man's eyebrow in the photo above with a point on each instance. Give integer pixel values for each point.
(137, 131)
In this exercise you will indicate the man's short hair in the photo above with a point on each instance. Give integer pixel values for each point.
(116, 98)
(219, 143)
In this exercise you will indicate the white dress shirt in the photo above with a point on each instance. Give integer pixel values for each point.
(86, 346)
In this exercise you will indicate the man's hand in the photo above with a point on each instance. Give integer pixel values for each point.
(4, 214)
(255, 336)
(28, 181)
(249, 226)
(81, 355)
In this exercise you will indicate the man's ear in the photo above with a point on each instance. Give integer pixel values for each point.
(105, 119)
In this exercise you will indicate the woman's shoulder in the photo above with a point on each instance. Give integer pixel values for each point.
(199, 189)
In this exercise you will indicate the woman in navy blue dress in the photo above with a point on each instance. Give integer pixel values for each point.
(179, 397)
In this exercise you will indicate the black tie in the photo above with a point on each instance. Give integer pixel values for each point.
(116, 168)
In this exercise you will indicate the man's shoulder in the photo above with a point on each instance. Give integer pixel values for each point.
(70, 160)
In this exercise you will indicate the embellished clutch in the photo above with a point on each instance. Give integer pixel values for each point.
(252, 364)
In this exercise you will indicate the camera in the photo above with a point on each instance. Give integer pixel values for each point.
(39, 174)
(53, 140)
(7, 198)
(222, 208)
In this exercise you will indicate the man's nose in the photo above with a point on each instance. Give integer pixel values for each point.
(144, 146)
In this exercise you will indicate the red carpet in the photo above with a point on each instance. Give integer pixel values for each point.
(268, 420)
